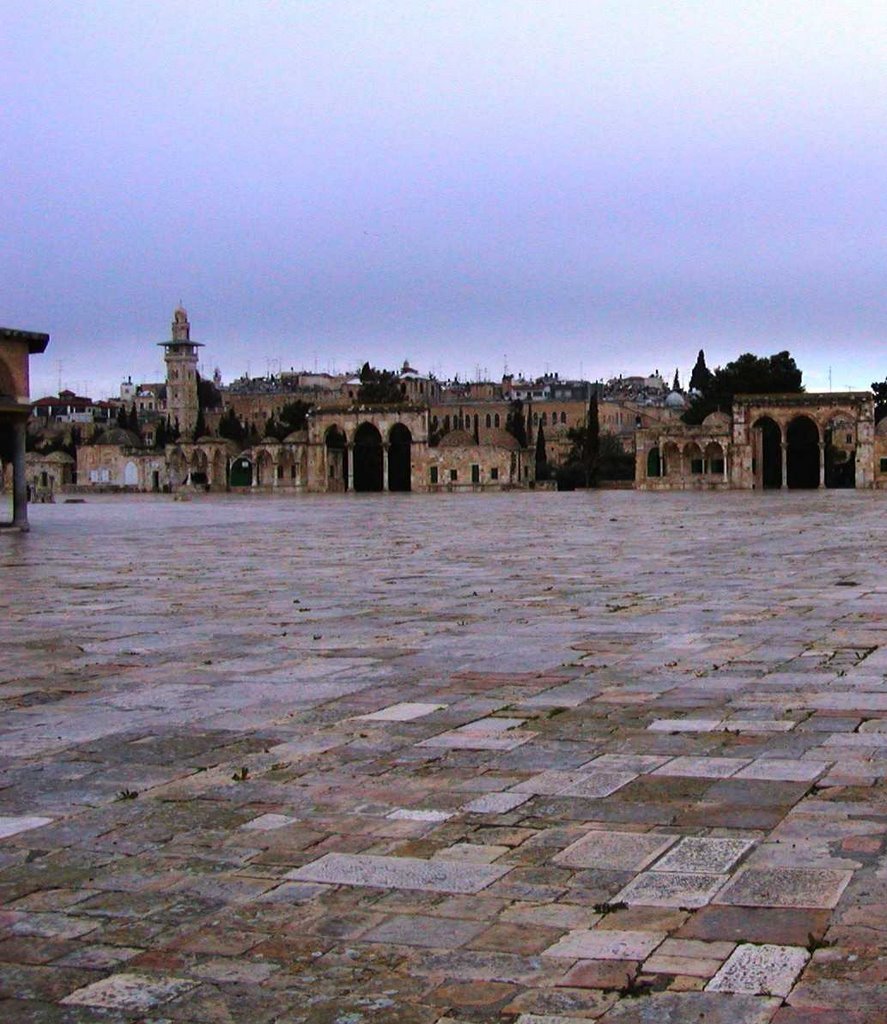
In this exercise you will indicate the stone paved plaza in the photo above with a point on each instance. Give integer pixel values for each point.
(525, 757)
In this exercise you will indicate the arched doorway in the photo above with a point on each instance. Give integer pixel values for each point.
(768, 453)
(840, 453)
(336, 460)
(654, 463)
(802, 456)
(367, 458)
(399, 446)
(241, 472)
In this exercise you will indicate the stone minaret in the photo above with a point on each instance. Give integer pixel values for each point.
(181, 375)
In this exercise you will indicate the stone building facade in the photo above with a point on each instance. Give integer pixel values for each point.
(180, 355)
(805, 440)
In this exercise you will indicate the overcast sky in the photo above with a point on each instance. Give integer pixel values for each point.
(582, 187)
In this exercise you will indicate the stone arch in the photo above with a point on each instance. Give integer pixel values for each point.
(802, 453)
(199, 467)
(286, 468)
(496, 420)
(840, 450)
(240, 473)
(400, 442)
(367, 458)
(767, 452)
(264, 468)
(178, 466)
(671, 459)
(715, 461)
(488, 421)
(694, 459)
(130, 475)
(335, 445)
(218, 469)
(654, 463)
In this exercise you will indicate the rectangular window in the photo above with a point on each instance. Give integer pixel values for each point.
(454, 474)
(432, 474)
(717, 466)
(475, 473)
(884, 465)
(696, 466)
(494, 473)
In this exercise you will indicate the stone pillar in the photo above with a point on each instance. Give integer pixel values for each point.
(274, 470)
(784, 449)
(821, 464)
(19, 478)
(349, 448)
(384, 467)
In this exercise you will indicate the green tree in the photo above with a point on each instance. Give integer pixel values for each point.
(701, 375)
(132, 421)
(122, 418)
(161, 435)
(231, 428)
(200, 427)
(379, 387)
(747, 375)
(515, 422)
(880, 391)
(542, 469)
(294, 415)
(208, 395)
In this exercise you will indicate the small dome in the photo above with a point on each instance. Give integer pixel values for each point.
(717, 421)
(206, 439)
(60, 458)
(296, 437)
(881, 428)
(119, 437)
(675, 400)
(500, 438)
(457, 439)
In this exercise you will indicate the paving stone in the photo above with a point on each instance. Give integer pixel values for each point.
(405, 711)
(11, 826)
(703, 767)
(685, 725)
(409, 814)
(704, 854)
(418, 930)
(495, 803)
(785, 887)
(760, 970)
(606, 945)
(780, 769)
(621, 851)
(789, 927)
(399, 873)
(686, 1007)
(268, 822)
(388, 686)
(667, 889)
(129, 992)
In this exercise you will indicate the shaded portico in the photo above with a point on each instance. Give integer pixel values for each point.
(16, 348)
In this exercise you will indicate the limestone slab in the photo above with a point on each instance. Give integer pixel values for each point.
(616, 851)
(703, 767)
(495, 803)
(405, 711)
(704, 854)
(138, 992)
(760, 970)
(399, 873)
(785, 887)
(779, 769)
(670, 889)
(11, 826)
(605, 944)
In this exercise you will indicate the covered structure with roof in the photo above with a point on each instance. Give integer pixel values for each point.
(789, 441)
(16, 349)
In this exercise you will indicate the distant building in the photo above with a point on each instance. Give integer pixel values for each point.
(180, 355)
